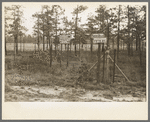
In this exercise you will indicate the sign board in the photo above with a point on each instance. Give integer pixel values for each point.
(99, 38)
(65, 39)
(102, 40)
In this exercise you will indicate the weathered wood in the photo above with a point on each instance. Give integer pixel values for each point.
(107, 66)
(103, 64)
(98, 64)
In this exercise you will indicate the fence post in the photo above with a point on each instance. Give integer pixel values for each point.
(98, 64)
(107, 66)
(103, 64)
(114, 65)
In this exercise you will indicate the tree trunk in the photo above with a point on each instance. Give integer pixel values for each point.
(16, 44)
(128, 33)
(123, 44)
(129, 49)
(75, 49)
(136, 43)
(38, 33)
(23, 44)
(140, 52)
(76, 29)
(14, 48)
(113, 44)
(136, 35)
(55, 49)
(79, 48)
(35, 46)
(91, 47)
(118, 33)
(20, 43)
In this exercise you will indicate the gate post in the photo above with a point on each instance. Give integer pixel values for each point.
(107, 65)
(98, 64)
(103, 64)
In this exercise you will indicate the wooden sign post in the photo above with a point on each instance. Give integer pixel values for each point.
(103, 65)
(98, 64)
(99, 39)
(107, 65)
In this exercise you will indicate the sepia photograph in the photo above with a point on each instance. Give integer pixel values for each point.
(89, 52)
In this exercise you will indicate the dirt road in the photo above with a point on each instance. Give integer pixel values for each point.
(62, 94)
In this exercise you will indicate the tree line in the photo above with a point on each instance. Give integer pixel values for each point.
(126, 23)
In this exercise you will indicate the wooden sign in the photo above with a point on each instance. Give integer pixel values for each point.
(99, 38)
(102, 40)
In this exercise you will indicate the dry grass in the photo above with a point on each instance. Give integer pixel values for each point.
(42, 74)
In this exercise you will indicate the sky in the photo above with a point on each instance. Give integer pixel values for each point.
(29, 8)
